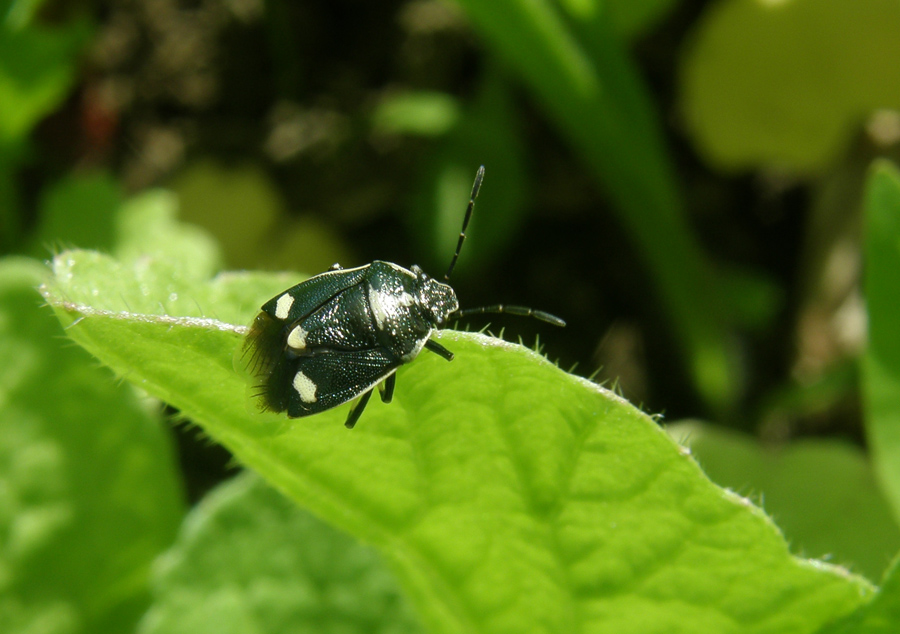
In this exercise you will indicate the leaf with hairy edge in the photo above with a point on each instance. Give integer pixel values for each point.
(881, 615)
(507, 495)
(822, 492)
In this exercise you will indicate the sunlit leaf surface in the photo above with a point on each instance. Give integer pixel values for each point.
(507, 495)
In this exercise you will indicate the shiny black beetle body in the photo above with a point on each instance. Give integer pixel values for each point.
(341, 333)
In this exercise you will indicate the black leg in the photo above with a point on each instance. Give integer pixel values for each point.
(386, 389)
(357, 410)
(438, 349)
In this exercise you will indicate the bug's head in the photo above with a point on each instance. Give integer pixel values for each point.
(438, 300)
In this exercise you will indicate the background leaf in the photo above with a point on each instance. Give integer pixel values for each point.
(881, 362)
(147, 227)
(80, 210)
(237, 205)
(248, 560)
(241, 207)
(37, 69)
(420, 113)
(630, 18)
(76, 537)
(489, 128)
(580, 74)
(788, 83)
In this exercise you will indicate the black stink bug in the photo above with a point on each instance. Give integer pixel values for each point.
(339, 334)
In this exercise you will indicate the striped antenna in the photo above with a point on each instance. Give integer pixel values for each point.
(462, 233)
(521, 311)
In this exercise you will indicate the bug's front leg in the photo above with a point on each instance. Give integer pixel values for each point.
(438, 349)
(357, 410)
(386, 389)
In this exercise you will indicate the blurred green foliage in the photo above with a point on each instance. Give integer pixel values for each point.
(699, 166)
(78, 210)
(305, 576)
(881, 363)
(580, 73)
(88, 488)
(37, 70)
(796, 100)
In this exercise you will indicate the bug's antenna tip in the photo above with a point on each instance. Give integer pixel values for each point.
(476, 187)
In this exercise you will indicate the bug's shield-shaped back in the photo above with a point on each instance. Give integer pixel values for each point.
(315, 346)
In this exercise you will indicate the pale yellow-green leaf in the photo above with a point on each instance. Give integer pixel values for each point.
(786, 83)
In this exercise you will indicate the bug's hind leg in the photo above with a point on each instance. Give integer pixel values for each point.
(357, 410)
(386, 389)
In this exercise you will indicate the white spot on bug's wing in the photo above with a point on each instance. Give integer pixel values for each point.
(297, 338)
(406, 299)
(305, 388)
(283, 306)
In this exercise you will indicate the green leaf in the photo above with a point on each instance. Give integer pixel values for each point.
(248, 560)
(507, 495)
(579, 72)
(242, 209)
(11, 221)
(88, 492)
(220, 200)
(881, 361)
(19, 13)
(79, 211)
(787, 83)
(629, 18)
(147, 226)
(488, 132)
(822, 493)
(881, 615)
(421, 113)
(37, 69)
